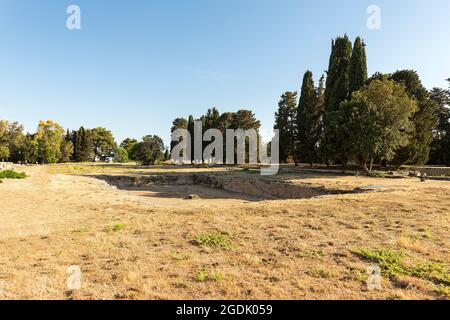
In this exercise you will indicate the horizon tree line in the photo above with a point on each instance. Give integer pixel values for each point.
(52, 144)
(388, 119)
(242, 119)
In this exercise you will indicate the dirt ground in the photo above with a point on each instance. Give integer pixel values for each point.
(153, 244)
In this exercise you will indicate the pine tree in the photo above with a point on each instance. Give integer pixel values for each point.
(358, 67)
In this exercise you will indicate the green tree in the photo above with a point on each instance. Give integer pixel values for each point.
(286, 123)
(212, 119)
(150, 150)
(66, 151)
(358, 67)
(4, 153)
(440, 150)
(309, 114)
(12, 137)
(128, 145)
(337, 91)
(424, 119)
(50, 136)
(83, 146)
(190, 128)
(120, 155)
(103, 143)
(377, 121)
(30, 149)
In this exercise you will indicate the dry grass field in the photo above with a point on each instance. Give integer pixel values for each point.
(150, 243)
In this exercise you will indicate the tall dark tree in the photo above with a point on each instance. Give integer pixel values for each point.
(286, 123)
(190, 128)
(225, 122)
(84, 146)
(337, 91)
(440, 150)
(358, 67)
(338, 75)
(308, 120)
(212, 118)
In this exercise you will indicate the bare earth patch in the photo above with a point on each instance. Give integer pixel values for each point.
(151, 243)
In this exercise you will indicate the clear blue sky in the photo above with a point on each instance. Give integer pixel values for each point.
(136, 65)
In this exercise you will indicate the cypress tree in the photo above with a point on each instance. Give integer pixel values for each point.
(286, 123)
(337, 91)
(306, 120)
(358, 67)
(338, 82)
(190, 127)
(84, 146)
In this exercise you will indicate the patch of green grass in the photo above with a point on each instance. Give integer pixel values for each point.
(214, 240)
(81, 230)
(11, 174)
(389, 260)
(377, 174)
(204, 275)
(115, 228)
(216, 276)
(391, 264)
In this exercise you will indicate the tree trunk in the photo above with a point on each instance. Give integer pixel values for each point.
(364, 168)
(363, 164)
(371, 164)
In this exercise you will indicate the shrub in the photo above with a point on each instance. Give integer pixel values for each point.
(10, 174)
(377, 174)
(120, 155)
(214, 240)
(115, 228)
